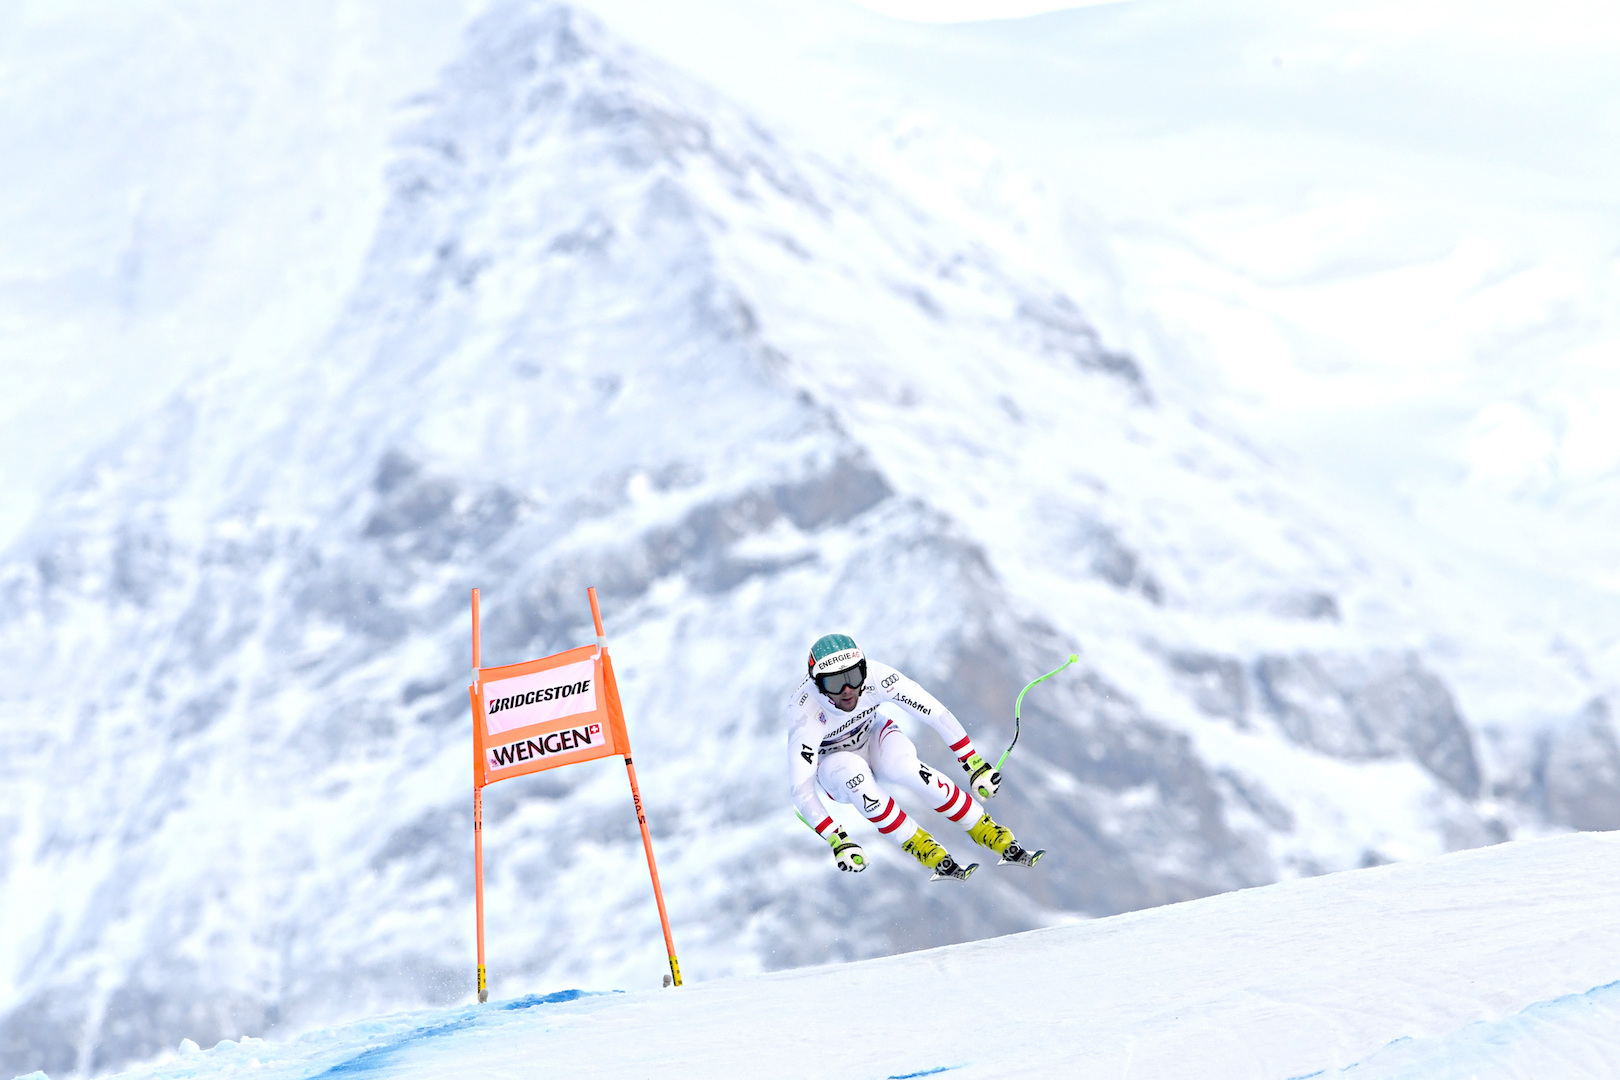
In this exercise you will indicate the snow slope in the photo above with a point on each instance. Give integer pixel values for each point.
(1489, 964)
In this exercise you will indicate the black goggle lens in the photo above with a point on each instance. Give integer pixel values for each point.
(836, 681)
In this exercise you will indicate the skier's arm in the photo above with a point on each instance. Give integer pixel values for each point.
(895, 687)
(907, 694)
(804, 740)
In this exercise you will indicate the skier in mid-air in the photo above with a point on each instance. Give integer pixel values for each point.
(843, 747)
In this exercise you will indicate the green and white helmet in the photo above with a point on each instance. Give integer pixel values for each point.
(836, 662)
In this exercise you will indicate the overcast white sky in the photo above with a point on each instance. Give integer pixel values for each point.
(965, 10)
(1564, 23)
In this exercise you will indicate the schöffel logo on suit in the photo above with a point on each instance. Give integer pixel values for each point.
(539, 746)
(919, 706)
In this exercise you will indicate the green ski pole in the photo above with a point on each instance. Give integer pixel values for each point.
(1018, 707)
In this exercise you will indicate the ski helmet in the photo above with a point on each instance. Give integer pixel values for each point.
(832, 655)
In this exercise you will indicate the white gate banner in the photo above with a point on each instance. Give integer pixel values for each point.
(543, 695)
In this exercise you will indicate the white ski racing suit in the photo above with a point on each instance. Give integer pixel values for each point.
(852, 756)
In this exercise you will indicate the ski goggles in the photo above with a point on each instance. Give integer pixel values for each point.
(835, 681)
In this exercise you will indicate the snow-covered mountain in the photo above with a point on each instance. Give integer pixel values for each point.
(612, 332)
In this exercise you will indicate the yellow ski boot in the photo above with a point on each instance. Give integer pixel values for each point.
(999, 839)
(926, 850)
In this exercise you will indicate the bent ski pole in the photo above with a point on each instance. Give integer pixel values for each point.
(1019, 705)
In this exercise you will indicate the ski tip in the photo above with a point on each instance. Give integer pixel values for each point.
(967, 873)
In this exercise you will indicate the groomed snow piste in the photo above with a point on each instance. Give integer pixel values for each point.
(1499, 962)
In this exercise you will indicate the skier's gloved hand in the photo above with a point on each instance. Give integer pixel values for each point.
(984, 780)
(847, 853)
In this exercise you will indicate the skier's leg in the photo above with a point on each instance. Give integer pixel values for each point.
(849, 778)
(894, 758)
(894, 761)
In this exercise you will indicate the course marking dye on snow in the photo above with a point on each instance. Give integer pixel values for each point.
(925, 1072)
(379, 1056)
(532, 1000)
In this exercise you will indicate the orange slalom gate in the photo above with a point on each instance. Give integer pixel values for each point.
(543, 714)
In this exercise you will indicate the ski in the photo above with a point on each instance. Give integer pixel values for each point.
(1021, 856)
(950, 869)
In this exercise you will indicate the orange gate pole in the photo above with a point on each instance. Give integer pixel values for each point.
(635, 793)
(478, 806)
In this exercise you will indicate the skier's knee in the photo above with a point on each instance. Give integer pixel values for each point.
(842, 773)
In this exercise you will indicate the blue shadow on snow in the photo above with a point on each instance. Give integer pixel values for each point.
(1474, 1048)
